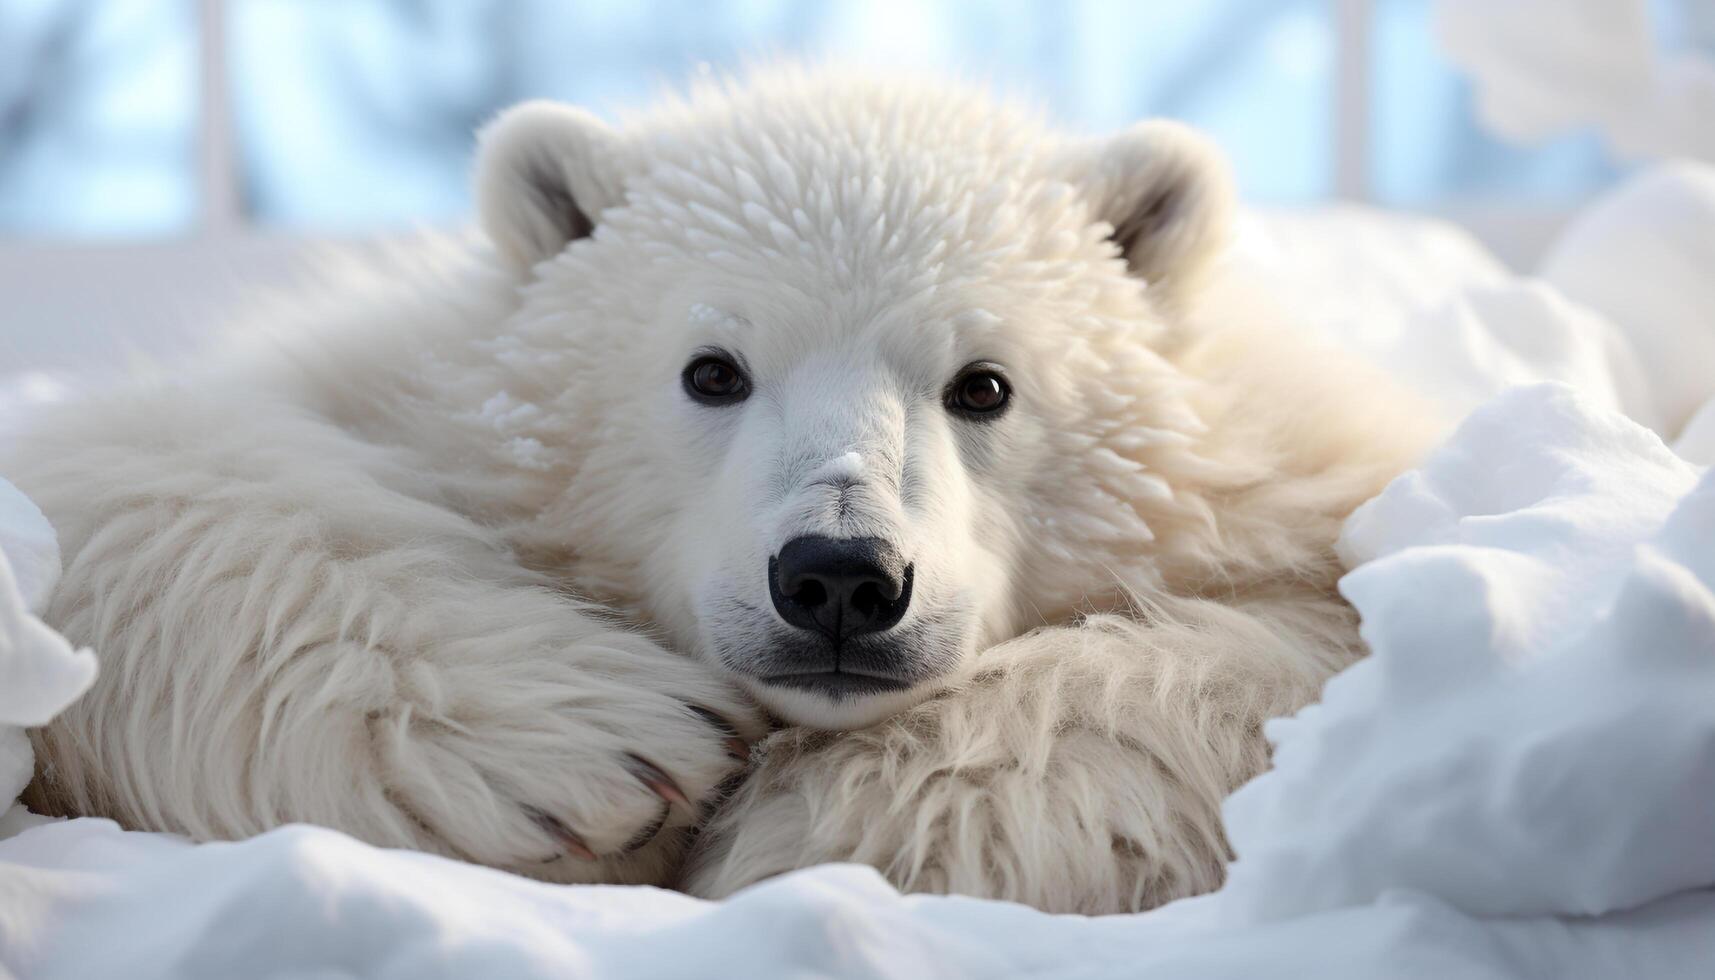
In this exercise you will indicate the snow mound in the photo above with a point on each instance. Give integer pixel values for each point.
(1519, 781)
(1624, 309)
(28, 546)
(1641, 257)
(1566, 662)
(39, 672)
(1697, 440)
(1431, 307)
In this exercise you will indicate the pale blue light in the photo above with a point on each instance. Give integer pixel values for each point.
(358, 115)
(98, 128)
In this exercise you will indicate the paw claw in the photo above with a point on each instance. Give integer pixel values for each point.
(648, 833)
(735, 746)
(650, 775)
(562, 834)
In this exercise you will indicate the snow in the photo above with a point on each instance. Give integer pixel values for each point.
(1519, 781)
(1697, 440)
(1426, 303)
(39, 672)
(1641, 257)
(1561, 667)
(321, 904)
(28, 546)
(1621, 308)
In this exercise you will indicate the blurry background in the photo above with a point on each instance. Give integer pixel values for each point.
(140, 135)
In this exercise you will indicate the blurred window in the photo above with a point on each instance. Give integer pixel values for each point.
(1427, 145)
(97, 107)
(358, 115)
(361, 114)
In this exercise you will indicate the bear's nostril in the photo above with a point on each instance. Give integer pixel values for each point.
(867, 599)
(839, 587)
(810, 593)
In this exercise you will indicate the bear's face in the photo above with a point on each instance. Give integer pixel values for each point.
(850, 523)
(852, 409)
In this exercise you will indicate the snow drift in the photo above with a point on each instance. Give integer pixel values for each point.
(39, 672)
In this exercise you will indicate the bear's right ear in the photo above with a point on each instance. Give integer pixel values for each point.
(544, 172)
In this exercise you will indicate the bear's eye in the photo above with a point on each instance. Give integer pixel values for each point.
(979, 392)
(713, 379)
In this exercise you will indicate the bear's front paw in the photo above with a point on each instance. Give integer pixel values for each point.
(657, 781)
(585, 774)
(985, 792)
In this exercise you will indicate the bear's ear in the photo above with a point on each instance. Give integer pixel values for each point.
(1169, 196)
(544, 172)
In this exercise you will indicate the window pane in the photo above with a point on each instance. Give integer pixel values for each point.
(97, 105)
(360, 114)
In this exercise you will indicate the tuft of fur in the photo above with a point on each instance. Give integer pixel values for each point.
(444, 558)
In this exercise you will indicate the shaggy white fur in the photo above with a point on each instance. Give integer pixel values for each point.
(448, 558)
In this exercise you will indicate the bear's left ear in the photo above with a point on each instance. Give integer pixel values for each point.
(544, 173)
(1169, 196)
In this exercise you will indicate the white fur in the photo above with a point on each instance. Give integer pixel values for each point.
(331, 578)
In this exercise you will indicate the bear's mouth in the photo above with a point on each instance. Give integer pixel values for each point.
(837, 683)
(855, 667)
(807, 679)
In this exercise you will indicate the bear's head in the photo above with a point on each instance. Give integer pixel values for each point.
(848, 381)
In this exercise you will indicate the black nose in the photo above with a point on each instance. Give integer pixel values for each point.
(839, 587)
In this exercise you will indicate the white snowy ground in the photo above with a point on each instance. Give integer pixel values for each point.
(1519, 782)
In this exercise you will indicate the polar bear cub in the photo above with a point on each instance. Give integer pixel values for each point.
(871, 410)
